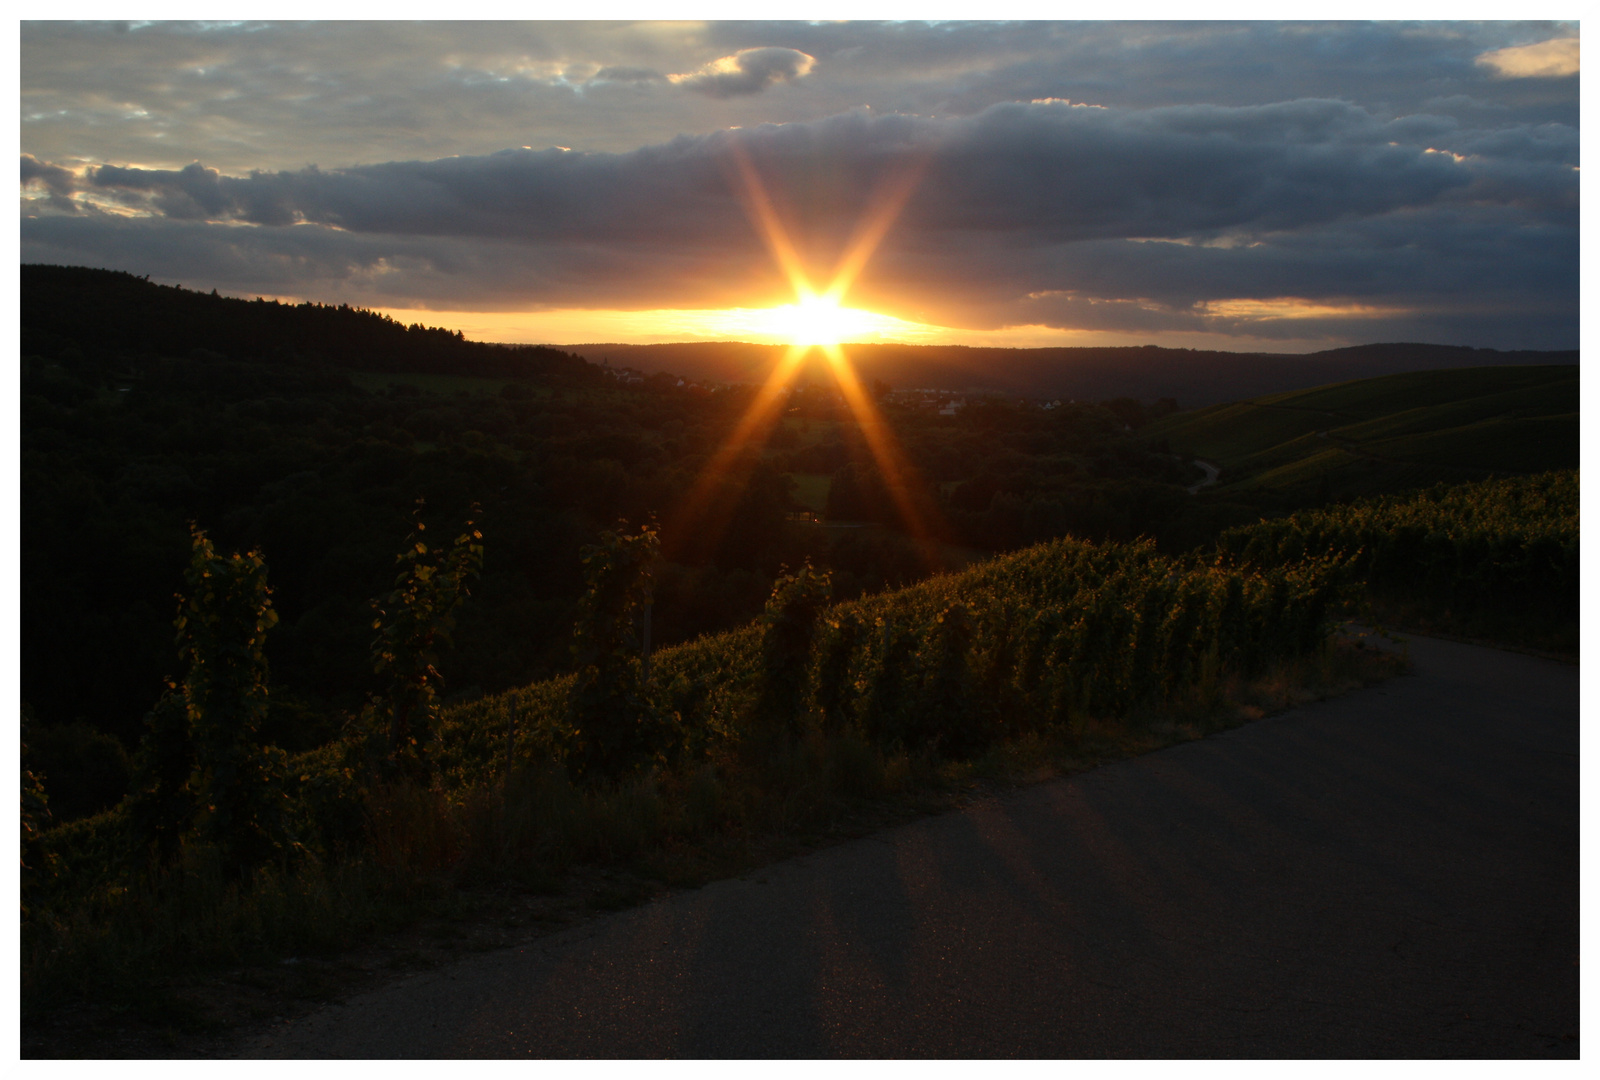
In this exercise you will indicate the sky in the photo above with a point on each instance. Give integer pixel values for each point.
(1238, 185)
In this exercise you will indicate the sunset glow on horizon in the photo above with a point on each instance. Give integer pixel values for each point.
(771, 326)
(783, 324)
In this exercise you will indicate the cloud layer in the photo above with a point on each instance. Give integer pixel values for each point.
(1452, 220)
(748, 71)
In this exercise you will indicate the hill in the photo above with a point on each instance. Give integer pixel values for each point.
(1194, 377)
(115, 314)
(1385, 434)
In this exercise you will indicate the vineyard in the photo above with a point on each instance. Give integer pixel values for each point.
(1044, 639)
(1497, 558)
(228, 849)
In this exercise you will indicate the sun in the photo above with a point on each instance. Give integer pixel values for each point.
(820, 321)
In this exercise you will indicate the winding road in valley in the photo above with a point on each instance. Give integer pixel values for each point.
(1390, 874)
(1211, 471)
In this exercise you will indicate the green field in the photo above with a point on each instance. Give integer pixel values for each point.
(811, 490)
(1388, 434)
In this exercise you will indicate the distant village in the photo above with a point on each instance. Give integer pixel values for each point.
(944, 402)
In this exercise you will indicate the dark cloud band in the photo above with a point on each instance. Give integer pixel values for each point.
(1043, 212)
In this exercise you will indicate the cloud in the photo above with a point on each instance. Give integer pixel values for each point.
(59, 183)
(1047, 172)
(748, 71)
(441, 272)
(1552, 59)
(626, 74)
(1261, 220)
(279, 95)
(54, 178)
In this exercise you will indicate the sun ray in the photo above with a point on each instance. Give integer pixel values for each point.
(900, 477)
(758, 206)
(890, 200)
(691, 516)
(694, 520)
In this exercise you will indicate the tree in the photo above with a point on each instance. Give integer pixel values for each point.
(950, 715)
(37, 862)
(615, 726)
(788, 627)
(414, 621)
(856, 493)
(200, 772)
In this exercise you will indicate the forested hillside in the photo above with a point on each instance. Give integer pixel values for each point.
(107, 316)
(1384, 435)
(1196, 377)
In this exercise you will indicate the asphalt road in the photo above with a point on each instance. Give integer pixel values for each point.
(1392, 874)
